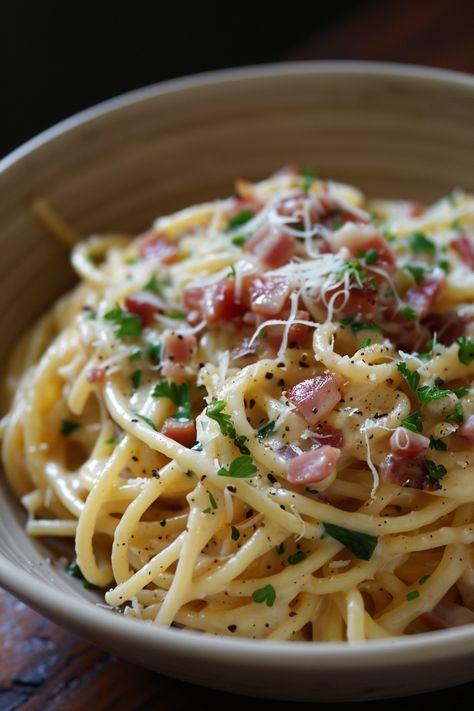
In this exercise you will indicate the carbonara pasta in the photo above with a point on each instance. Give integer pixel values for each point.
(257, 419)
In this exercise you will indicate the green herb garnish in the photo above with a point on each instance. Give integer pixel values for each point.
(296, 558)
(136, 379)
(135, 356)
(366, 342)
(239, 219)
(309, 177)
(435, 471)
(423, 580)
(239, 241)
(280, 548)
(75, 572)
(129, 325)
(413, 379)
(215, 412)
(179, 394)
(147, 420)
(412, 595)
(438, 444)
(240, 468)
(361, 544)
(157, 285)
(408, 312)
(266, 595)
(420, 243)
(235, 533)
(418, 273)
(68, 426)
(458, 414)
(466, 350)
(154, 352)
(176, 315)
(266, 429)
(413, 422)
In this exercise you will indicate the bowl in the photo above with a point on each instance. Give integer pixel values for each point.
(403, 132)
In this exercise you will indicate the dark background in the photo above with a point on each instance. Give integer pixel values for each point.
(57, 58)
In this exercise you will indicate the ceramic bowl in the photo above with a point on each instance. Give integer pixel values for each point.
(395, 131)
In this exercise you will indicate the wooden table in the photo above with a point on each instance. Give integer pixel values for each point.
(44, 667)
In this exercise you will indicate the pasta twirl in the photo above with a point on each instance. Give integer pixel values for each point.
(257, 419)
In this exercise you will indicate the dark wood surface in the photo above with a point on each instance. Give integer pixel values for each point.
(43, 666)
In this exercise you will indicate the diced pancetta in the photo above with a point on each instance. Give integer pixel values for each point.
(214, 304)
(272, 246)
(313, 466)
(410, 473)
(316, 397)
(267, 295)
(464, 246)
(179, 347)
(145, 304)
(407, 444)
(425, 295)
(182, 431)
(362, 238)
(157, 246)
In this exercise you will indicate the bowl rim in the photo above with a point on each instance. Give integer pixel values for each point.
(86, 617)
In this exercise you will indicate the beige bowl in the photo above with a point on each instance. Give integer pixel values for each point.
(392, 130)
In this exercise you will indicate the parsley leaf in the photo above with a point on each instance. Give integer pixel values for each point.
(420, 243)
(239, 219)
(240, 468)
(147, 420)
(458, 414)
(354, 271)
(215, 412)
(176, 315)
(136, 379)
(68, 426)
(435, 471)
(370, 256)
(212, 500)
(235, 533)
(366, 342)
(309, 177)
(357, 326)
(135, 356)
(157, 285)
(280, 548)
(266, 429)
(438, 444)
(75, 572)
(361, 544)
(412, 595)
(413, 422)
(427, 393)
(413, 379)
(418, 273)
(239, 241)
(129, 324)
(296, 558)
(240, 444)
(466, 350)
(266, 594)
(179, 394)
(154, 352)
(408, 312)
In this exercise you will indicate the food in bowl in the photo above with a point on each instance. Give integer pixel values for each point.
(256, 419)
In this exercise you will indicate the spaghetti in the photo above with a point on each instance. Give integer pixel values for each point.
(257, 418)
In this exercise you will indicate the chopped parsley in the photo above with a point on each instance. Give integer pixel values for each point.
(232, 272)
(420, 243)
(239, 219)
(438, 444)
(280, 548)
(445, 266)
(226, 426)
(412, 378)
(361, 544)
(370, 256)
(135, 356)
(75, 572)
(427, 393)
(296, 558)
(418, 273)
(240, 468)
(435, 471)
(239, 241)
(112, 440)
(176, 315)
(157, 285)
(179, 394)
(412, 595)
(154, 352)
(423, 580)
(212, 500)
(408, 312)
(235, 533)
(266, 595)
(466, 350)
(68, 426)
(413, 422)
(366, 342)
(354, 271)
(129, 325)
(458, 414)
(266, 429)
(136, 378)
(309, 177)
(147, 420)
(357, 326)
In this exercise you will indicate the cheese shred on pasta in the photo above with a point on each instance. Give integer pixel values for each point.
(257, 419)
